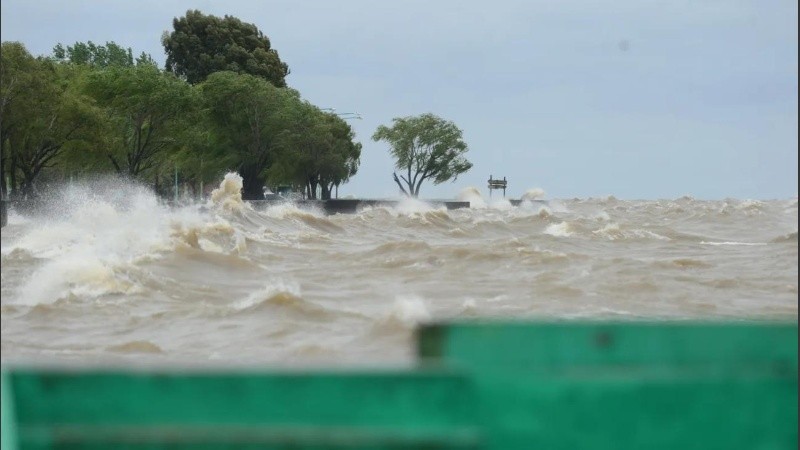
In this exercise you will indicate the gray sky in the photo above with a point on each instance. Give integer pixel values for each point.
(632, 98)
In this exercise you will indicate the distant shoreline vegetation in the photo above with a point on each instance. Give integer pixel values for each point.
(220, 104)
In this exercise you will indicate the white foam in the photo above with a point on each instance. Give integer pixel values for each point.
(409, 206)
(732, 243)
(15, 218)
(270, 290)
(501, 204)
(228, 196)
(288, 210)
(562, 229)
(557, 206)
(533, 194)
(473, 196)
(601, 216)
(78, 275)
(613, 231)
(409, 310)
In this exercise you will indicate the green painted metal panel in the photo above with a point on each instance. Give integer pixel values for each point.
(627, 385)
(521, 410)
(8, 432)
(224, 410)
(496, 386)
(569, 344)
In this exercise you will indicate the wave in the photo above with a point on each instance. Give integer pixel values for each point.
(561, 229)
(81, 276)
(228, 195)
(285, 298)
(683, 263)
(789, 237)
(533, 194)
(733, 243)
(407, 312)
(473, 196)
(746, 207)
(277, 293)
(309, 217)
(613, 232)
(136, 347)
(399, 246)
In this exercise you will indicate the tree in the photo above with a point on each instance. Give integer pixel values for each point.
(90, 54)
(201, 45)
(425, 147)
(247, 114)
(317, 150)
(42, 115)
(147, 109)
(17, 69)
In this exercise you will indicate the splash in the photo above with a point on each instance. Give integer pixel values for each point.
(277, 292)
(408, 311)
(612, 231)
(563, 229)
(90, 238)
(501, 204)
(228, 196)
(411, 206)
(473, 196)
(533, 194)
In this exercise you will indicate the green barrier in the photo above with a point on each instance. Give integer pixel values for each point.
(627, 386)
(550, 345)
(479, 385)
(60, 410)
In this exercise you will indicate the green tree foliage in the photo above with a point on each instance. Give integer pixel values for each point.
(90, 54)
(247, 116)
(148, 109)
(43, 114)
(317, 151)
(424, 147)
(203, 44)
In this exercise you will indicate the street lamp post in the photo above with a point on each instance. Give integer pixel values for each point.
(343, 115)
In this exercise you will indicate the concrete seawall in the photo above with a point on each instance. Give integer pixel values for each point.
(351, 206)
(334, 206)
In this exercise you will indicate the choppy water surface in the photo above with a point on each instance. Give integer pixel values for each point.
(112, 275)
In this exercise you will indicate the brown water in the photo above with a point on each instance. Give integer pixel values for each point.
(111, 275)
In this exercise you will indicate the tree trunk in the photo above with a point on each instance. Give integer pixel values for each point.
(399, 184)
(326, 191)
(13, 172)
(252, 183)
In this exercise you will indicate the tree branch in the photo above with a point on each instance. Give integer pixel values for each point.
(399, 184)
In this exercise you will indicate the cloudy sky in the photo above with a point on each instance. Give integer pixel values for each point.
(631, 98)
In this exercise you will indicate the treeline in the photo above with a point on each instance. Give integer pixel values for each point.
(221, 103)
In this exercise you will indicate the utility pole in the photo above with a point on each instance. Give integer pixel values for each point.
(201, 178)
(176, 183)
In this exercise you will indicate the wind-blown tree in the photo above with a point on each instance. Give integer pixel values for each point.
(147, 109)
(17, 77)
(43, 114)
(203, 44)
(247, 115)
(342, 161)
(425, 147)
(91, 54)
(201, 160)
(317, 151)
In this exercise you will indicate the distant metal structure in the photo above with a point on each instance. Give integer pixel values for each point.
(497, 184)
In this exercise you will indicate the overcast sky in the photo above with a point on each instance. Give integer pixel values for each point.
(632, 98)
